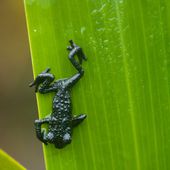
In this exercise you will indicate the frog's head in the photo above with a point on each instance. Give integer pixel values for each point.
(63, 141)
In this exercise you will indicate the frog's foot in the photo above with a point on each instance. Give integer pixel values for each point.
(41, 135)
(37, 78)
(76, 50)
(78, 119)
(44, 77)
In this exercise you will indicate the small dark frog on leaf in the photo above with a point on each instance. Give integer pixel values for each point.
(60, 122)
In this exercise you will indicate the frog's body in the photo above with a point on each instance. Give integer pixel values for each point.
(60, 121)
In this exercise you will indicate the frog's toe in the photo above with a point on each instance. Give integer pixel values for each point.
(32, 84)
(78, 119)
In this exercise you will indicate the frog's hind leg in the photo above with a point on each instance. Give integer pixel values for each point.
(76, 120)
(41, 135)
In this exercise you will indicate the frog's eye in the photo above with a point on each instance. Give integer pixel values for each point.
(67, 138)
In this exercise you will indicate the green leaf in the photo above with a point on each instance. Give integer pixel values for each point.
(8, 163)
(125, 89)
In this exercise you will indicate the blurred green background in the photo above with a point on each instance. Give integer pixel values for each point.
(17, 101)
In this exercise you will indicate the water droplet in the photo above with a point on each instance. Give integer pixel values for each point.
(82, 30)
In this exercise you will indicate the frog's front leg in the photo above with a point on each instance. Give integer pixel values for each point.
(43, 82)
(76, 50)
(41, 135)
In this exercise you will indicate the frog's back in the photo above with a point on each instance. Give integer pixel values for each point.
(61, 114)
(61, 104)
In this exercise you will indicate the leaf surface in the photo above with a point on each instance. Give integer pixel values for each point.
(125, 88)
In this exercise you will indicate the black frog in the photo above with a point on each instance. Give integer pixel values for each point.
(61, 121)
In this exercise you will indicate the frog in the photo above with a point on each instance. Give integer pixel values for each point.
(61, 122)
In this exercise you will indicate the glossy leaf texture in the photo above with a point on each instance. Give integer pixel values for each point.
(125, 89)
(8, 163)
